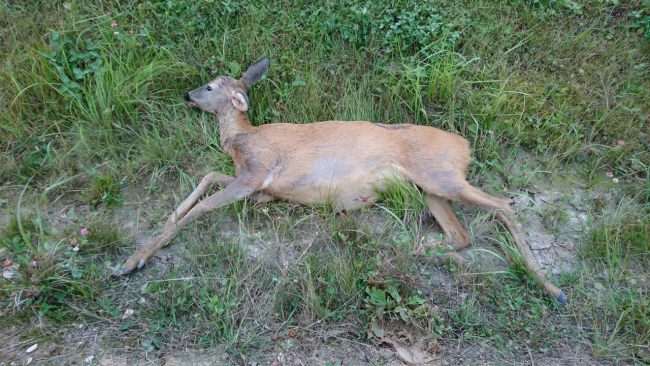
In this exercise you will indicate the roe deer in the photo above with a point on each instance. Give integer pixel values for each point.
(343, 163)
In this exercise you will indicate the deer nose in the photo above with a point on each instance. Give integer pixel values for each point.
(187, 97)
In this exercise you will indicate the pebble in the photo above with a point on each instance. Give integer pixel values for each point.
(32, 348)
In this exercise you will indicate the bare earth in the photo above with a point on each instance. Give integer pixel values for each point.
(91, 340)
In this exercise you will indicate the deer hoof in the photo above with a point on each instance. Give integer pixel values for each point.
(561, 298)
(122, 271)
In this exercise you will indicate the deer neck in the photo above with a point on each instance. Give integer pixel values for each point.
(231, 124)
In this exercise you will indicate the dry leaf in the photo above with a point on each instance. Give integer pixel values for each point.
(7, 274)
(376, 330)
(418, 354)
(127, 313)
(354, 331)
(404, 337)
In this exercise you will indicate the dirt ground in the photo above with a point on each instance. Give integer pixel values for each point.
(553, 239)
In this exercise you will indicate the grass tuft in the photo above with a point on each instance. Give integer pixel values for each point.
(102, 190)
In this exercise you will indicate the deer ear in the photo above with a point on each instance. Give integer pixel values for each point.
(255, 72)
(240, 101)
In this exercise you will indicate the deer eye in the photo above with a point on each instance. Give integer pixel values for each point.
(209, 88)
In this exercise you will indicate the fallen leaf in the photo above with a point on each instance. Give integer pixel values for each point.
(127, 313)
(376, 330)
(7, 274)
(387, 342)
(404, 336)
(354, 331)
(29, 360)
(418, 353)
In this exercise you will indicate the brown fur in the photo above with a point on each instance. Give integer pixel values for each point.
(343, 163)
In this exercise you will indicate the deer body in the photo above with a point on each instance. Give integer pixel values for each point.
(338, 162)
(311, 163)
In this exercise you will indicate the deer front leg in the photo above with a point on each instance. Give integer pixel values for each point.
(234, 192)
(207, 182)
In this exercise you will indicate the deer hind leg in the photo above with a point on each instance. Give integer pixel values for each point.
(470, 195)
(207, 182)
(453, 186)
(452, 229)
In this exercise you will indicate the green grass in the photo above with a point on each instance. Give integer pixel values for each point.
(94, 128)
